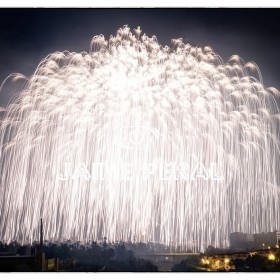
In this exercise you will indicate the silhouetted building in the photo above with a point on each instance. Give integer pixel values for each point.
(267, 239)
(10, 262)
(240, 241)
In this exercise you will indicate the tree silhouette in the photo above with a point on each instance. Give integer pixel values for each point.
(256, 263)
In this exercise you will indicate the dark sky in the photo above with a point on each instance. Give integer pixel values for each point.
(28, 35)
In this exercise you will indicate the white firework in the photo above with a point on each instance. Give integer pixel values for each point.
(132, 102)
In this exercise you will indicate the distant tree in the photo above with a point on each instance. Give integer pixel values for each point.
(24, 250)
(104, 242)
(211, 250)
(122, 254)
(132, 265)
(238, 264)
(106, 256)
(141, 265)
(189, 264)
(256, 263)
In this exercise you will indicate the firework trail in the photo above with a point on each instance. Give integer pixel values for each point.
(131, 101)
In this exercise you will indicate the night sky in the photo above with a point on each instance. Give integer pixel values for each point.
(28, 35)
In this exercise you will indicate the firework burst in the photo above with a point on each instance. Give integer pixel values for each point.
(157, 111)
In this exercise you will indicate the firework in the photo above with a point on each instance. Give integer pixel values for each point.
(140, 142)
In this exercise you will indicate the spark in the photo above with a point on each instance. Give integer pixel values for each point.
(132, 100)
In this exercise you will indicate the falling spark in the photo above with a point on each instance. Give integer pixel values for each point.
(132, 101)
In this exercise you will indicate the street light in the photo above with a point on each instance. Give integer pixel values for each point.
(271, 257)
